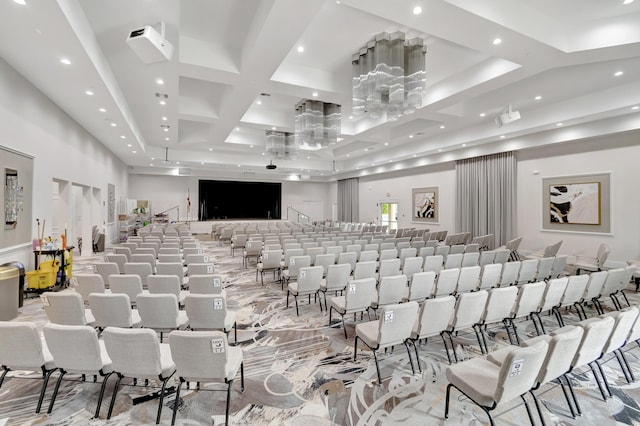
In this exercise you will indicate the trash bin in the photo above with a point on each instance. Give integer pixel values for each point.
(9, 281)
(21, 271)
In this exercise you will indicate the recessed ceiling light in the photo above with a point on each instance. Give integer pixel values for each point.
(410, 136)
(210, 149)
(129, 145)
(624, 2)
(308, 171)
(202, 163)
(65, 61)
(163, 102)
(102, 110)
(159, 81)
(151, 164)
(250, 146)
(263, 153)
(166, 129)
(259, 102)
(321, 174)
(300, 49)
(391, 161)
(635, 107)
(166, 139)
(20, 2)
(464, 144)
(442, 127)
(177, 162)
(314, 94)
(414, 156)
(133, 152)
(537, 98)
(153, 158)
(273, 127)
(113, 124)
(501, 136)
(497, 41)
(348, 155)
(417, 10)
(559, 124)
(351, 117)
(338, 2)
(308, 157)
(440, 150)
(89, 92)
(386, 144)
(164, 118)
(373, 164)
(123, 137)
(482, 114)
(618, 73)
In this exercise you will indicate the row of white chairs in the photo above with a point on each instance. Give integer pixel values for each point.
(199, 356)
(145, 269)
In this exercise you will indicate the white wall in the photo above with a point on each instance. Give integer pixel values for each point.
(31, 123)
(618, 154)
(397, 187)
(167, 191)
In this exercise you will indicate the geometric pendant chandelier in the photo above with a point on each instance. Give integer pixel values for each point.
(389, 75)
(317, 124)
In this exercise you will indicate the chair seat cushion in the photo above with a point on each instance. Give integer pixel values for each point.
(89, 317)
(229, 321)
(368, 332)
(135, 319)
(167, 365)
(338, 303)
(477, 378)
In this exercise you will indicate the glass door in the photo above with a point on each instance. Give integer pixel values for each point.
(389, 215)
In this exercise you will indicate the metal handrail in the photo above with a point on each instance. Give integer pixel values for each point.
(298, 216)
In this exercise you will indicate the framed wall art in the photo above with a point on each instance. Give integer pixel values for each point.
(577, 203)
(425, 204)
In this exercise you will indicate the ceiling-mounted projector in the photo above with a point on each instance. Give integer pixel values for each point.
(271, 166)
(150, 45)
(507, 116)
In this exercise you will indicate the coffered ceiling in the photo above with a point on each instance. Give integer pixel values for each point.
(571, 68)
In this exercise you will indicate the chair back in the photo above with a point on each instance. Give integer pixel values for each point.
(527, 272)
(490, 276)
(128, 284)
(426, 251)
(309, 278)
(143, 270)
(200, 355)
(603, 254)
(433, 263)
(391, 289)
(544, 268)
(502, 256)
(196, 258)
(396, 323)
(422, 285)
(563, 344)
(297, 262)
(169, 258)
(206, 311)
(348, 257)
(126, 251)
(365, 270)
(469, 309)
(158, 311)
(486, 257)
(412, 265)
(447, 281)
(390, 253)
(594, 286)
(576, 286)
(624, 320)
(200, 269)
(553, 293)
(205, 284)
(453, 261)
(104, 269)
(120, 259)
(271, 259)
(89, 283)
(407, 252)
(509, 273)
(468, 278)
(519, 371)
(388, 267)
(470, 259)
(360, 293)
(338, 276)
(559, 262)
(499, 304)
(612, 283)
(335, 250)
(134, 352)
(434, 317)
(64, 307)
(159, 284)
(552, 250)
(20, 345)
(596, 333)
(75, 348)
(111, 310)
(529, 299)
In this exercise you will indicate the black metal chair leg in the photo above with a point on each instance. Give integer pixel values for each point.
(176, 402)
(102, 388)
(164, 386)
(55, 391)
(242, 376)
(446, 349)
(113, 397)
(573, 395)
(566, 397)
(595, 375)
(526, 405)
(226, 416)
(296, 299)
(624, 358)
(623, 366)
(375, 357)
(344, 327)
(406, 345)
(415, 347)
(446, 401)
(44, 389)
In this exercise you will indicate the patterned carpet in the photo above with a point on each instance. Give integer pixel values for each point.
(298, 371)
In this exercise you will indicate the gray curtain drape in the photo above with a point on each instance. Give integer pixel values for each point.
(348, 200)
(486, 196)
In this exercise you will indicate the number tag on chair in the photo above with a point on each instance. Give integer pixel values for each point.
(209, 269)
(106, 258)
(265, 256)
(206, 259)
(45, 301)
(292, 261)
(303, 274)
(352, 289)
(388, 317)
(217, 303)
(199, 251)
(217, 346)
(516, 367)
(216, 282)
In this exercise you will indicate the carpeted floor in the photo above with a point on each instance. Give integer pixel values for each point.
(298, 371)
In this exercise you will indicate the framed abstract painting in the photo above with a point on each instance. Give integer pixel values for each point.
(577, 203)
(425, 204)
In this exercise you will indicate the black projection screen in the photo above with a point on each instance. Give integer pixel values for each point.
(239, 200)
